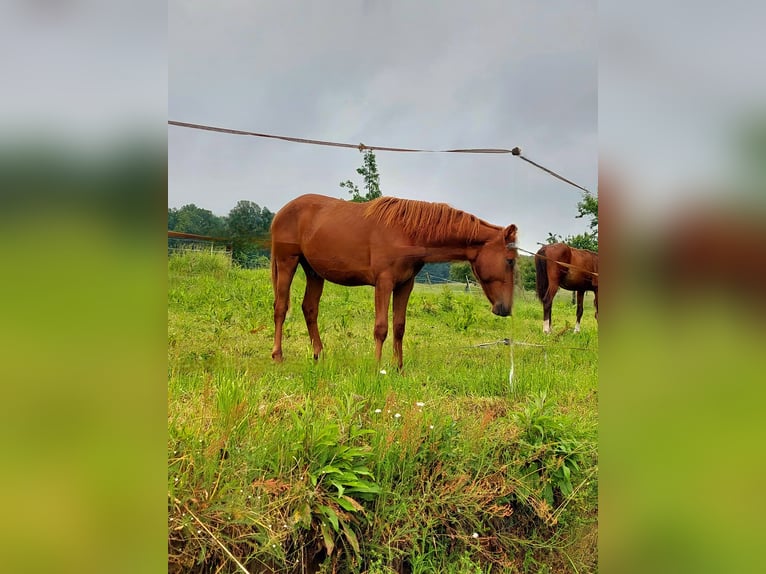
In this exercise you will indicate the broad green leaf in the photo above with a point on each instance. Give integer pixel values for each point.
(328, 538)
(331, 516)
(351, 537)
(362, 471)
(368, 488)
(344, 503)
(354, 504)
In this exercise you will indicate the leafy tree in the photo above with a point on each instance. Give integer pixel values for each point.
(369, 172)
(525, 272)
(248, 225)
(460, 271)
(437, 272)
(245, 220)
(587, 207)
(580, 241)
(172, 218)
(193, 219)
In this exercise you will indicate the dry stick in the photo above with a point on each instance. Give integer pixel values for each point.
(226, 550)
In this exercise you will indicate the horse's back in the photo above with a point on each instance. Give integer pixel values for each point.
(315, 225)
(304, 205)
(291, 221)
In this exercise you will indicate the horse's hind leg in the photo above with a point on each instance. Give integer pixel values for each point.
(547, 305)
(580, 295)
(595, 301)
(314, 287)
(548, 308)
(401, 297)
(550, 294)
(284, 270)
(383, 289)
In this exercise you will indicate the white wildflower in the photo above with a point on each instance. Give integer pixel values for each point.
(382, 371)
(378, 411)
(475, 535)
(397, 415)
(419, 404)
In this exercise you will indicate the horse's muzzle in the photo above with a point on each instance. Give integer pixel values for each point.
(501, 310)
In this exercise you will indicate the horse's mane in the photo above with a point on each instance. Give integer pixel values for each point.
(423, 220)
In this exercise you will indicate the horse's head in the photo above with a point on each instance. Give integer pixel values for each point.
(493, 267)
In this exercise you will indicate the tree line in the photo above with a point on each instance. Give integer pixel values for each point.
(245, 228)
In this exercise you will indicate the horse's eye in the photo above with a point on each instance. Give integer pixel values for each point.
(511, 262)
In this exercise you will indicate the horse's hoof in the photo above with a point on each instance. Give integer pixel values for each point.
(277, 357)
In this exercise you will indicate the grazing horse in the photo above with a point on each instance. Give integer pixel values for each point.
(559, 265)
(384, 243)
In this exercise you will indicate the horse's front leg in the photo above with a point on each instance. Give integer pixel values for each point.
(383, 289)
(401, 297)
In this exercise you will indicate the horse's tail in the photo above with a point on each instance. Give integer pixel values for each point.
(541, 274)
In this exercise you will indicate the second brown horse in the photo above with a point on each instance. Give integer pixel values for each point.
(559, 265)
(383, 243)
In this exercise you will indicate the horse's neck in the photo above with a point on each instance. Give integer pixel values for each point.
(439, 253)
(457, 248)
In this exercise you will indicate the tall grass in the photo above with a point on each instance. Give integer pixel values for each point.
(343, 465)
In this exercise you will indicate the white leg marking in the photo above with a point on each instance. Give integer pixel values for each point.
(577, 327)
(546, 326)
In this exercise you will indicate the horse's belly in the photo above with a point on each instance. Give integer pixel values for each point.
(340, 273)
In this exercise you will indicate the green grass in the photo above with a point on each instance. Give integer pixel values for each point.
(336, 467)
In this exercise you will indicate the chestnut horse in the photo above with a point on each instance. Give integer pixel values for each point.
(384, 243)
(559, 265)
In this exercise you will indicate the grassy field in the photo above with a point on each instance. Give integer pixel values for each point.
(342, 465)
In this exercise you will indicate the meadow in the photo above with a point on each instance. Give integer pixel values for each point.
(343, 465)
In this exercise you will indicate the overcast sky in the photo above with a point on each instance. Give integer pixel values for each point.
(451, 74)
(674, 96)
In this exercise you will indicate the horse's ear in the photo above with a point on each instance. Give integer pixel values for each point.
(509, 233)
